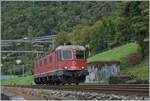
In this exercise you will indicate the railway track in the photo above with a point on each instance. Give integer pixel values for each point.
(119, 89)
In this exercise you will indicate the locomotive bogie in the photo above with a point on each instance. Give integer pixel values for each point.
(64, 77)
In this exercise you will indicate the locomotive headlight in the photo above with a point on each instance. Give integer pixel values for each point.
(66, 67)
(82, 67)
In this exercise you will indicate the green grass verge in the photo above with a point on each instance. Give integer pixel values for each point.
(18, 81)
(115, 54)
(140, 71)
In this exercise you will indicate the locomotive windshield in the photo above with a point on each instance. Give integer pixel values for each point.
(67, 54)
(80, 54)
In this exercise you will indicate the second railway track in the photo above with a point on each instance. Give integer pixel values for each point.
(122, 89)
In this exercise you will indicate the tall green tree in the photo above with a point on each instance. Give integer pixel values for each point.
(106, 34)
(62, 38)
(135, 26)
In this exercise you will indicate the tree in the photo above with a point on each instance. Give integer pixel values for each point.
(62, 38)
(135, 25)
(106, 34)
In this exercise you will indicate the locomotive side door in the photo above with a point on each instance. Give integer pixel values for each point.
(55, 60)
(58, 58)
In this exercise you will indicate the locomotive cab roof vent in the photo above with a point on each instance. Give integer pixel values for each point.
(73, 47)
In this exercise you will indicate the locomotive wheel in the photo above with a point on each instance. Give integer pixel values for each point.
(35, 80)
(43, 80)
(57, 83)
(77, 83)
(52, 83)
(40, 80)
(50, 80)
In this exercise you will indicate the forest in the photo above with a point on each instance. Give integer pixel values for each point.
(101, 25)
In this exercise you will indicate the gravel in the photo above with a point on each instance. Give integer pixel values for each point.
(76, 95)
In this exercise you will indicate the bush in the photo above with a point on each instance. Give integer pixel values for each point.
(120, 79)
(135, 58)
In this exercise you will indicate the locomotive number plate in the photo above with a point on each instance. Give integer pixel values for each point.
(73, 63)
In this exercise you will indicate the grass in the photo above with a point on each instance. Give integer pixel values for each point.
(140, 71)
(18, 81)
(115, 54)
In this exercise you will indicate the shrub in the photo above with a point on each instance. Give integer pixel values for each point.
(120, 79)
(135, 58)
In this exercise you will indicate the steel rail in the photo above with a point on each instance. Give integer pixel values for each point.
(131, 89)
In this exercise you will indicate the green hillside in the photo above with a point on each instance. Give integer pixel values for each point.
(115, 54)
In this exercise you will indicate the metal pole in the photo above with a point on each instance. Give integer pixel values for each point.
(37, 54)
(23, 70)
(26, 38)
(12, 73)
(53, 44)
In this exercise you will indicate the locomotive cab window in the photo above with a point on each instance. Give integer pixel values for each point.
(67, 54)
(59, 55)
(80, 54)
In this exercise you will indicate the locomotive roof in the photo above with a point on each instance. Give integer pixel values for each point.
(73, 47)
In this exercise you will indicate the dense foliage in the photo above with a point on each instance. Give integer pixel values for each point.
(45, 18)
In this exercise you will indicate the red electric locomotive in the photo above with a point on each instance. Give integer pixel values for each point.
(66, 64)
